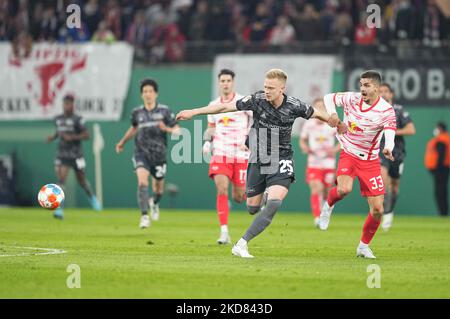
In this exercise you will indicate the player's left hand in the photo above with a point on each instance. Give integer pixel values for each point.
(163, 126)
(388, 154)
(185, 115)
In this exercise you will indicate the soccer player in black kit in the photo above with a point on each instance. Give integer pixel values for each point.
(391, 171)
(271, 168)
(71, 130)
(150, 123)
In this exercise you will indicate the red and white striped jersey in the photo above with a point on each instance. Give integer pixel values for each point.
(321, 142)
(366, 124)
(231, 130)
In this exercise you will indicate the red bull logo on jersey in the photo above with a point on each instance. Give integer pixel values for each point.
(321, 139)
(226, 120)
(352, 127)
(52, 65)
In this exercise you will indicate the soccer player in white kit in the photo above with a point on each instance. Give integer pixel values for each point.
(366, 117)
(226, 136)
(318, 141)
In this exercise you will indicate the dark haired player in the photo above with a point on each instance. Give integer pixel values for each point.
(71, 131)
(150, 124)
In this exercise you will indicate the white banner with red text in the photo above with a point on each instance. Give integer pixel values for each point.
(34, 80)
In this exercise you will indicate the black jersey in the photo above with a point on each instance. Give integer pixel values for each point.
(71, 125)
(402, 118)
(150, 140)
(272, 126)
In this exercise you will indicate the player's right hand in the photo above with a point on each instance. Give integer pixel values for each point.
(334, 120)
(50, 138)
(119, 148)
(185, 115)
(342, 128)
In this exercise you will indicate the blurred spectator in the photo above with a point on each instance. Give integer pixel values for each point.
(113, 18)
(21, 47)
(48, 26)
(404, 19)
(219, 26)
(156, 43)
(308, 25)
(103, 33)
(260, 25)
(342, 27)
(433, 25)
(327, 17)
(182, 8)
(91, 14)
(138, 34)
(174, 44)
(363, 34)
(283, 32)
(67, 35)
(437, 161)
(199, 21)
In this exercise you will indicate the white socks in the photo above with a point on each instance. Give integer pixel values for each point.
(224, 229)
(241, 242)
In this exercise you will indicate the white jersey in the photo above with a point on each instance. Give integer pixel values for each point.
(321, 142)
(231, 130)
(365, 124)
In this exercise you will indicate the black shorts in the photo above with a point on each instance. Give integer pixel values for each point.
(158, 171)
(78, 164)
(394, 168)
(260, 177)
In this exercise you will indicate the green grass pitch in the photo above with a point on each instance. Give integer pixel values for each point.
(177, 257)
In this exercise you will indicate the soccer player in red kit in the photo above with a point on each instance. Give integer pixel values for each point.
(318, 141)
(366, 117)
(225, 136)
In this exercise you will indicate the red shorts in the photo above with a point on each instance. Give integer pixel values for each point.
(368, 173)
(234, 169)
(325, 175)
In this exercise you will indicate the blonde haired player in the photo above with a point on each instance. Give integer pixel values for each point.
(271, 163)
(367, 116)
(225, 136)
(318, 141)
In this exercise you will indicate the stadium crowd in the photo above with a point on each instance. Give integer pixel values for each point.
(160, 30)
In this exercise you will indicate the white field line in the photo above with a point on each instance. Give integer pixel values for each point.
(44, 251)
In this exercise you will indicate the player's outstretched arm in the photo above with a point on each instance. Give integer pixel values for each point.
(330, 107)
(210, 109)
(321, 114)
(128, 135)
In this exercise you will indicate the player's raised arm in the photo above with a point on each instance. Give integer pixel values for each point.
(210, 109)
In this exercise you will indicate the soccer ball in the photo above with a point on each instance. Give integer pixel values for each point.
(51, 196)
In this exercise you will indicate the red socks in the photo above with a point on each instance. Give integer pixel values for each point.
(369, 229)
(222, 209)
(333, 196)
(315, 204)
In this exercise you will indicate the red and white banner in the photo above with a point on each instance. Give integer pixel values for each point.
(309, 76)
(33, 85)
